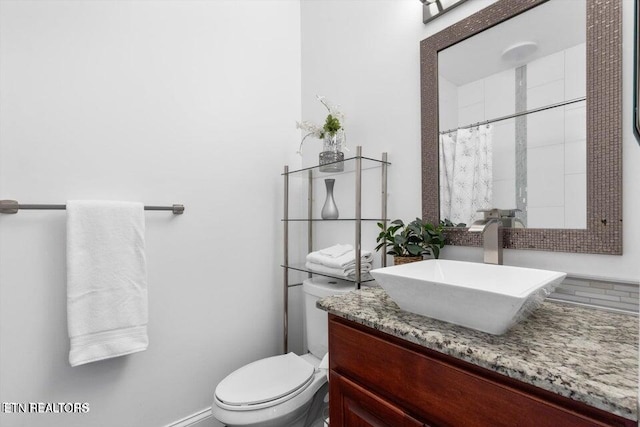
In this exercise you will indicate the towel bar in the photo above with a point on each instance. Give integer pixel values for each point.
(12, 207)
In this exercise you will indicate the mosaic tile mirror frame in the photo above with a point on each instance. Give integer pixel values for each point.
(603, 231)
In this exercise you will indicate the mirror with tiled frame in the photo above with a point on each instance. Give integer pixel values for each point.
(602, 231)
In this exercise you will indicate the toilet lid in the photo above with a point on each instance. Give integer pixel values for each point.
(265, 380)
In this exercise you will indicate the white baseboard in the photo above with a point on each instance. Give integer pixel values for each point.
(193, 419)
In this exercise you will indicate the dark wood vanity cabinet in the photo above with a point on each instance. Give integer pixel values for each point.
(379, 380)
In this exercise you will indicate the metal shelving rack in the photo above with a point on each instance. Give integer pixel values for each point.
(357, 163)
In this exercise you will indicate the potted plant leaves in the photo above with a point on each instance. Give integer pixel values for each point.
(410, 242)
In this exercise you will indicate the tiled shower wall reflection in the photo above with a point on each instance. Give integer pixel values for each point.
(550, 179)
(601, 293)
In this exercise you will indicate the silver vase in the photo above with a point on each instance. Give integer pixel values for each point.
(329, 210)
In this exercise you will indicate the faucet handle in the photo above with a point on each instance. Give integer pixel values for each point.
(509, 213)
(499, 213)
(490, 213)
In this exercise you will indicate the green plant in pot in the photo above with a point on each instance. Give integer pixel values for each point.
(409, 242)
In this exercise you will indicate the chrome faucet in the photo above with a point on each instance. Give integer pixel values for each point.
(491, 229)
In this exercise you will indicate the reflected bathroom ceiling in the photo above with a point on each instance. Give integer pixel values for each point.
(482, 55)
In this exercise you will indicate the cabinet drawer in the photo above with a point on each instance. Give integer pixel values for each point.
(444, 391)
(357, 407)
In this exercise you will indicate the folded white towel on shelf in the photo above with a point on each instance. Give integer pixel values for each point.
(335, 250)
(348, 272)
(345, 260)
(106, 280)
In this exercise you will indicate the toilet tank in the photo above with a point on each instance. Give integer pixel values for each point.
(315, 319)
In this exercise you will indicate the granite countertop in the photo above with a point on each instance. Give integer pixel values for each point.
(586, 354)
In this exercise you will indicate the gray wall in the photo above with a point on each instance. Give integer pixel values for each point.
(161, 102)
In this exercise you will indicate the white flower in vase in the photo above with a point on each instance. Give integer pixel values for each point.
(332, 132)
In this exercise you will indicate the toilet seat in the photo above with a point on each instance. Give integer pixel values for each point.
(264, 383)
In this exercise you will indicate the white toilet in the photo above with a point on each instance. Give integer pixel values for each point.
(286, 390)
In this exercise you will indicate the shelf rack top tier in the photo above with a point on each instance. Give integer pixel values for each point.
(349, 167)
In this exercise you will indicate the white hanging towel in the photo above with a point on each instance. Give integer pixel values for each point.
(106, 280)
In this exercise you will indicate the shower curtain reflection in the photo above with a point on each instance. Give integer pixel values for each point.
(466, 183)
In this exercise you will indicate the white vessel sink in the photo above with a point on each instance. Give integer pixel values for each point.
(485, 297)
